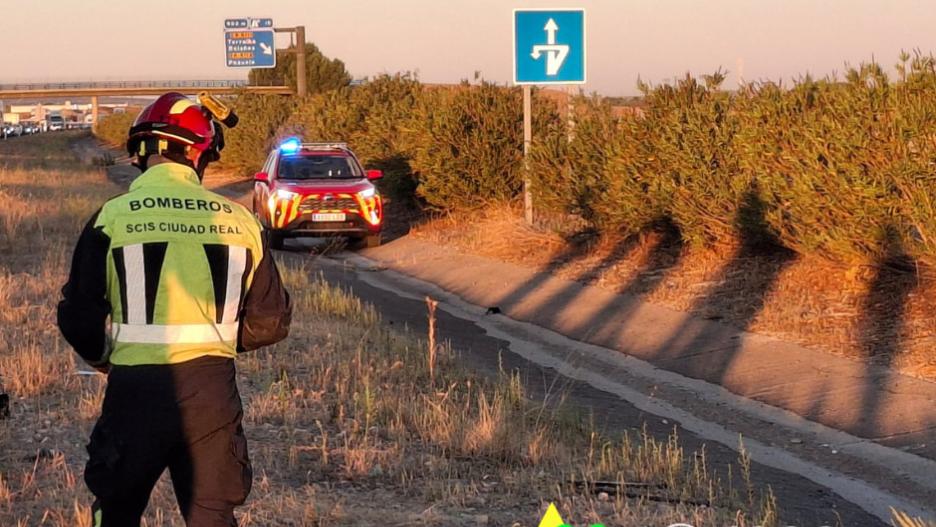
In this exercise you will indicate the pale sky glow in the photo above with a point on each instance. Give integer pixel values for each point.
(447, 40)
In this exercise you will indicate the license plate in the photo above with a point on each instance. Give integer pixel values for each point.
(329, 216)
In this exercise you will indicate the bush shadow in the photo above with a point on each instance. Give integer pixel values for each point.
(736, 296)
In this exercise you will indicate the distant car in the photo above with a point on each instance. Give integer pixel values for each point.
(318, 190)
(56, 123)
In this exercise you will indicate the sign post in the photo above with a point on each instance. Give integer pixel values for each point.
(301, 80)
(549, 48)
(527, 142)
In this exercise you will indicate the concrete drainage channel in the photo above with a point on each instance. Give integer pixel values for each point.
(871, 476)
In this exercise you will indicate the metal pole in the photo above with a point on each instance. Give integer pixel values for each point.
(527, 139)
(94, 113)
(301, 87)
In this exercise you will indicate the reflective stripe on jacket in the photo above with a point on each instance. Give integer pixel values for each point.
(178, 264)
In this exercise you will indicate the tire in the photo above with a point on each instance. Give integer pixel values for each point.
(368, 241)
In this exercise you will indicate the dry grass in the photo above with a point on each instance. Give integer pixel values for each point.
(349, 422)
(886, 316)
(496, 232)
(902, 519)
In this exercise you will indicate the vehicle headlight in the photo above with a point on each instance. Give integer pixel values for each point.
(285, 194)
(370, 205)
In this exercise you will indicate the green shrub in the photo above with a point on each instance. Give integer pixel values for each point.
(636, 196)
(601, 171)
(374, 119)
(556, 187)
(328, 116)
(690, 129)
(462, 146)
(467, 146)
(322, 73)
(841, 169)
(824, 154)
(114, 128)
(248, 144)
(915, 177)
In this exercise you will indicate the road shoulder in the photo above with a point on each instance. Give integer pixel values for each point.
(839, 413)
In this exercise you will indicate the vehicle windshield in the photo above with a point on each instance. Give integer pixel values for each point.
(318, 167)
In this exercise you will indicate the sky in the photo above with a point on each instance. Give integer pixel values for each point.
(445, 41)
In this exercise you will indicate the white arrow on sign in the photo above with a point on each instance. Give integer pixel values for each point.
(267, 50)
(555, 53)
(551, 29)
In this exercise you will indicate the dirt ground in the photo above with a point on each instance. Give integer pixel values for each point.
(886, 315)
(350, 421)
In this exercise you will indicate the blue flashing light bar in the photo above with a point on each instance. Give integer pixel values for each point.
(290, 146)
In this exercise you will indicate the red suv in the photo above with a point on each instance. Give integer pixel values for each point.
(316, 190)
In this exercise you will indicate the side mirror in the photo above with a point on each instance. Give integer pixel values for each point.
(374, 174)
(262, 177)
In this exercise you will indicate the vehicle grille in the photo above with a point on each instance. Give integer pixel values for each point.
(317, 204)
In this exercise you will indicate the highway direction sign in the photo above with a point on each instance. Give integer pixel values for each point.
(549, 46)
(249, 43)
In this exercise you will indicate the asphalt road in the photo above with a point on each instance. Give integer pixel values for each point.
(803, 503)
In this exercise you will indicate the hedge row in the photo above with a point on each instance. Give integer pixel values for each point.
(843, 169)
(455, 146)
(372, 118)
(247, 145)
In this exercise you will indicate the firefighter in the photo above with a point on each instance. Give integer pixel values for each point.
(169, 282)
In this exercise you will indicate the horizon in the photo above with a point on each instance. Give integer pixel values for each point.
(774, 40)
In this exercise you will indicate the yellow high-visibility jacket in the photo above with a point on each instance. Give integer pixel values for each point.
(182, 272)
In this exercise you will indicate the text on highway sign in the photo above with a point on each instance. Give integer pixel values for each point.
(249, 43)
(248, 23)
(549, 46)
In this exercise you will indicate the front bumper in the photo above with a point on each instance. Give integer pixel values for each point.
(354, 225)
(295, 216)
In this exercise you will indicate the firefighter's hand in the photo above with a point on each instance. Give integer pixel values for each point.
(103, 365)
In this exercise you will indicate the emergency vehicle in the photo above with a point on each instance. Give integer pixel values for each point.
(317, 190)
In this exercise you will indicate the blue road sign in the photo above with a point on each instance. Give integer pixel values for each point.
(549, 46)
(250, 48)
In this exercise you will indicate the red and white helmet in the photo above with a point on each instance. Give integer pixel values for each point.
(171, 124)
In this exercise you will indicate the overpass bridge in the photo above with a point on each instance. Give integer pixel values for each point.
(131, 89)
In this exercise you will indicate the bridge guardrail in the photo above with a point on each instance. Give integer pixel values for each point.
(124, 84)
